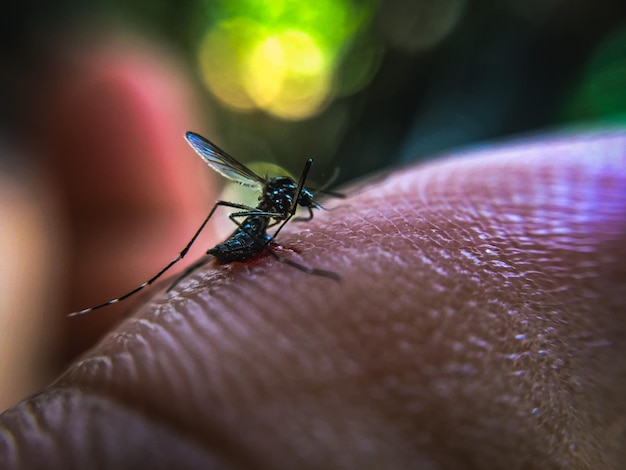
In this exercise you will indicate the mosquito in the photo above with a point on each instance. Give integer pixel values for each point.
(279, 199)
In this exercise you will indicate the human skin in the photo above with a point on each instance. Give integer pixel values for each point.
(480, 323)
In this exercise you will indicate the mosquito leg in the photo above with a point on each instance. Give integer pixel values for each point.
(305, 219)
(273, 215)
(307, 269)
(180, 256)
(198, 264)
(284, 222)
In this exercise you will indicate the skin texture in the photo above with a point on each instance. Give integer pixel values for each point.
(480, 324)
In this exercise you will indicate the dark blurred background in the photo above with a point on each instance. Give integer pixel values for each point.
(358, 85)
(95, 100)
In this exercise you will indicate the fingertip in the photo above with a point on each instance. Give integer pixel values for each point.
(132, 192)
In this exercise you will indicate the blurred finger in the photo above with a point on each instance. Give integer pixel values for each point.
(132, 191)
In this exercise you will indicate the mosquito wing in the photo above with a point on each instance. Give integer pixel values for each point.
(223, 163)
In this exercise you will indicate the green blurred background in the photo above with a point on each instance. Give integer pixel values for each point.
(360, 85)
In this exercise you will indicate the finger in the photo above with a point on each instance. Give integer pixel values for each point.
(132, 191)
(28, 233)
(479, 322)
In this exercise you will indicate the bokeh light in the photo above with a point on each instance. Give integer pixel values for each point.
(282, 57)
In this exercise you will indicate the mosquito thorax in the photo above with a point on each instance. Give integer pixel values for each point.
(278, 193)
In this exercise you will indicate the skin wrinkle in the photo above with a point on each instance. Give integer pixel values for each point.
(280, 342)
(259, 326)
(125, 356)
(175, 347)
(226, 381)
(97, 364)
(285, 392)
(33, 421)
(112, 437)
(169, 361)
(27, 423)
(8, 448)
(433, 342)
(145, 404)
(214, 366)
(229, 353)
(298, 337)
(187, 327)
